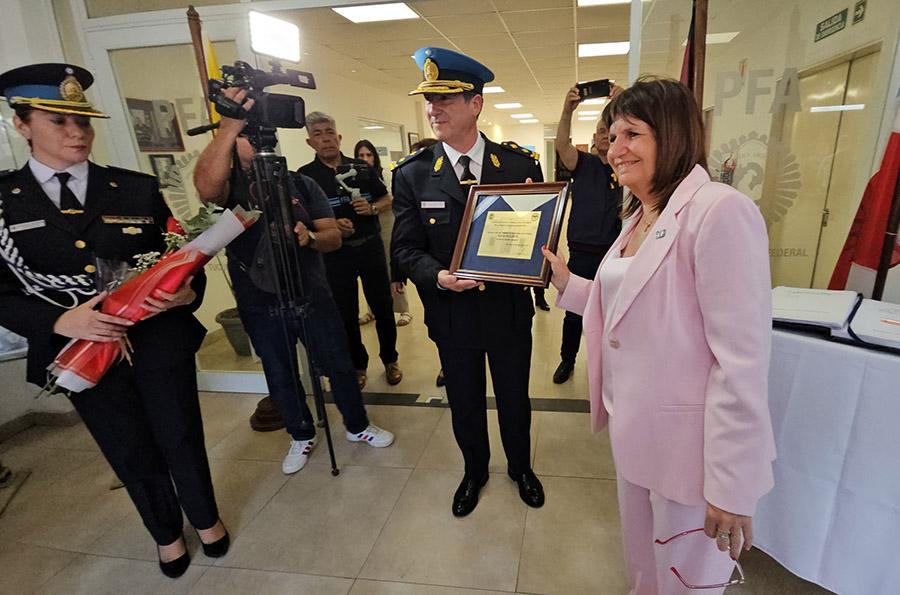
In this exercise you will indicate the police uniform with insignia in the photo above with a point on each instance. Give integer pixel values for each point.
(430, 189)
(145, 417)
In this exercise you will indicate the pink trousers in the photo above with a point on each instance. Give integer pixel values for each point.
(646, 516)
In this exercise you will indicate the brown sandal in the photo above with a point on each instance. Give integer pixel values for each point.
(393, 373)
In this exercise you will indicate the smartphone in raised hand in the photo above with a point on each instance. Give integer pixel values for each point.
(591, 89)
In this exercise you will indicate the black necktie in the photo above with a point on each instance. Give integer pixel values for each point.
(467, 176)
(68, 204)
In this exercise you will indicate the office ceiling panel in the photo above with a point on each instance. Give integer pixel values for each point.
(531, 45)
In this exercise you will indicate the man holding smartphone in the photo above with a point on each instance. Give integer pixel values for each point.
(594, 220)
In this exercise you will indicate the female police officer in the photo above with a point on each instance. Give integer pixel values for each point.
(57, 214)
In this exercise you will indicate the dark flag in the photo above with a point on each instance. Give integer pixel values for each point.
(687, 66)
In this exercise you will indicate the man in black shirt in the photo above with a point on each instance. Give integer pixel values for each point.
(594, 220)
(221, 177)
(356, 199)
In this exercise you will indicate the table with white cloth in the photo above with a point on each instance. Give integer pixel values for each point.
(833, 517)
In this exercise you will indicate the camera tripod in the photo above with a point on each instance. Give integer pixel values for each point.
(271, 196)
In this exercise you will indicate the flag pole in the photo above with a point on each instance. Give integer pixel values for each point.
(701, 12)
(196, 27)
(890, 240)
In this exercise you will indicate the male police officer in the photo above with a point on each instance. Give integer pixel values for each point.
(467, 319)
(361, 256)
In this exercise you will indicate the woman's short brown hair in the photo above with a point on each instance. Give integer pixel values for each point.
(671, 111)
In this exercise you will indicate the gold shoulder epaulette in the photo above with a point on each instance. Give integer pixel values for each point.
(515, 148)
(406, 159)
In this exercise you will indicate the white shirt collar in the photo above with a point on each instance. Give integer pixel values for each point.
(476, 153)
(44, 174)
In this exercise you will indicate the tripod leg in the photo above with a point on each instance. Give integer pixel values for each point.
(322, 414)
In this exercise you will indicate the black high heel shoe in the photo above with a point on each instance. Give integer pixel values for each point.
(219, 547)
(178, 566)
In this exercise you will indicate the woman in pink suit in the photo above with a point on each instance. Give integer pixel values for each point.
(677, 325)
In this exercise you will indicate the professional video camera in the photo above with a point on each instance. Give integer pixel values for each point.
(271, 110)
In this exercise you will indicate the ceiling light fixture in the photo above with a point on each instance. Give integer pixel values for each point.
(850, 107)
(507, 105)
(529, 121)
(371, 13)
(595, 101)
(591, 50)
(373, 127)
(493, 90)
(590, 113)
(521, 116)
(587, 118)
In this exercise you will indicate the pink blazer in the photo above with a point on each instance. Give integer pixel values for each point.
(690, 336)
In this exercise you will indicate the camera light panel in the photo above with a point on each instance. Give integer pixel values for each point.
(274, 37)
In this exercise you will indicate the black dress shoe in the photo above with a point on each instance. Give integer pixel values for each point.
(440, 379)
(541, 303)
(466, 497)
(176, 567)
(530, 489)
(563, 371)
(218, 548)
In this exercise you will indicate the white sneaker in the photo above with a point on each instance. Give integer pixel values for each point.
(373, 436)
(297, 455)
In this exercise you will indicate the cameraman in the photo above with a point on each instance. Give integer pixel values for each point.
(362, 254)
(222, 177)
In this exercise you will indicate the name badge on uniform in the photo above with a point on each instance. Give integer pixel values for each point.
(126, 220)
(433, 204)
(38, 223)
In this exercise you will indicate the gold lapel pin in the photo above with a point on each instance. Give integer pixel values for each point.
(16, 191)
(438, 164)
(495, 160)
(114, 184)
(132, 231)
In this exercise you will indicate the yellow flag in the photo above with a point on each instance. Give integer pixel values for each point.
(212, 71)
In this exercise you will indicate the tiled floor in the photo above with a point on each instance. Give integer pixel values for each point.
(383, 527)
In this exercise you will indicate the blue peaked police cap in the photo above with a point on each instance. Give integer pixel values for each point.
(53, 87)
(446, 71)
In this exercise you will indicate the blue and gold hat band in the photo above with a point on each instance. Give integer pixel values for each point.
(445, 72)
(57, 88)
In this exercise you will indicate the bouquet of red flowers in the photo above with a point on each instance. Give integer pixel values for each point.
(82, 363)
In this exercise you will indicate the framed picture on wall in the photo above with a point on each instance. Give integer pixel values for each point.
(413, 138)
(155, 125)
(165, 170)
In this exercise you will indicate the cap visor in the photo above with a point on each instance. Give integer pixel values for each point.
(89, 112)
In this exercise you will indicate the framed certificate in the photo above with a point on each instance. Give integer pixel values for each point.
(503, 229)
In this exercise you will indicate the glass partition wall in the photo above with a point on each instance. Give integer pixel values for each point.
(794, 105)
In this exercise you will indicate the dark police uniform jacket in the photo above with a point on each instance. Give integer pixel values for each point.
(125, 214)
(428, 205)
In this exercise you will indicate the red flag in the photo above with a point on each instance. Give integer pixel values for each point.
(866, 237)
(687, 65)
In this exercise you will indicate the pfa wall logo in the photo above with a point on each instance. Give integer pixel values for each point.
(741, 163)
(176, 194)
